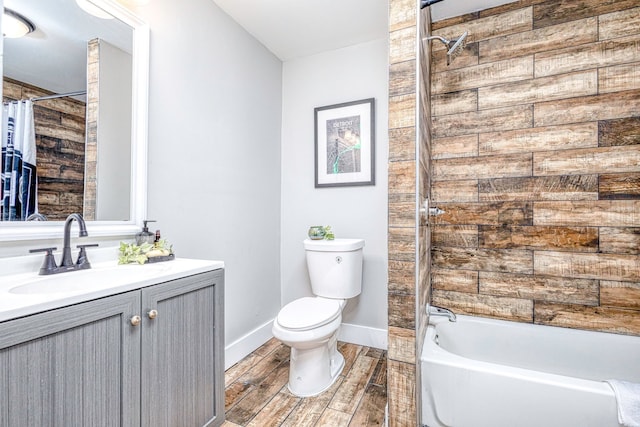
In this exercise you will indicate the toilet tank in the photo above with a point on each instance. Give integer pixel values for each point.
(335, 267)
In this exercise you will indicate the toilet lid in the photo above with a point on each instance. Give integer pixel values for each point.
(308, 312)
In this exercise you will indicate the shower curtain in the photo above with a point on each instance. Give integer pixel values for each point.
(18, 189)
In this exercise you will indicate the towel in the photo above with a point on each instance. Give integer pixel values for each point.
(628, 398)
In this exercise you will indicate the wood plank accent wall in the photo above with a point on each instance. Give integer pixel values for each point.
(60, 144)
(536, 161)
(402, 385)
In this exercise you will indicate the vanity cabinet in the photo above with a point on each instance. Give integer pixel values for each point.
(148, 357)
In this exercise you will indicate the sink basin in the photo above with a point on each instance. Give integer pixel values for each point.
(86, 280)
(77, 280)
(53, 285)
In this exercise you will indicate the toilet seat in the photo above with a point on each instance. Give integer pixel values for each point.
(309, 313)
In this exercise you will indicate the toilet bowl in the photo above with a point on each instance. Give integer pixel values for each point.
(310, 325)
(315, 362)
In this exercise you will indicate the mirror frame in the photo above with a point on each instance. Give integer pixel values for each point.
(18, 231)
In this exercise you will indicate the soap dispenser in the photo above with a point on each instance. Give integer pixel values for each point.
(145, 236)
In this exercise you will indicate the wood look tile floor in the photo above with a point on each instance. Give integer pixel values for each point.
(256, 391)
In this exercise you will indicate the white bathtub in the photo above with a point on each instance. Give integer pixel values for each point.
(480, 372)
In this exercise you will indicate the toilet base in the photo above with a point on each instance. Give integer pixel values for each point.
(314, 370)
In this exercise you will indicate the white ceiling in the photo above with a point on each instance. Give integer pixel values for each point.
(295, 28)
(54, 56)
(288, 28)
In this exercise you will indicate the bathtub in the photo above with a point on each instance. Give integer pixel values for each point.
(480, 372)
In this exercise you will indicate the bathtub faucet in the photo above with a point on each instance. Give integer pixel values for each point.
(432, 310)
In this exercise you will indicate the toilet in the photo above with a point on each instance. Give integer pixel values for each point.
(310, 325)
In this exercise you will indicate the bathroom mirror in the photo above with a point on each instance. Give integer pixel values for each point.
(122, 178)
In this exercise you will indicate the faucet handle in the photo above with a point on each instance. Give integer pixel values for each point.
(83, 261)
(49, 264)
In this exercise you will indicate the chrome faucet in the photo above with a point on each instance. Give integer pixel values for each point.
(432, 310)
(49, 266)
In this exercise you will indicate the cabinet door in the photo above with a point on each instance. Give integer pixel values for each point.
(182, 352)
(74, 366)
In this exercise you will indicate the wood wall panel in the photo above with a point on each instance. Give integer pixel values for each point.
(495, 213)
(618, 78)
(595, 160)
(540, 89)
(579, 135)
(619, 186)
(494, 120)
(402, 344)
(464, 236)
(579, 239)
(455, 191)
(514, 261)
(608, 106)
(508, 165)
(588, 56)
(402, 144)
(540, 40)
(509, 70)
(560, 187)
(402, 210)
(402, 111)
(588, 266)
(601, 213)
(455, 102)
(402, 45)
(402, 176)
(402, 277)
(456, 146)
(401, 386)
(558, 11)
(518, 309)
(551, 91)
(539, 288)
(620, 240)
(620, 294)
(619, 24)
(402, 78)
(455, 280)
(402, 14)
(584, 317)
(625, 131)
(514, 21)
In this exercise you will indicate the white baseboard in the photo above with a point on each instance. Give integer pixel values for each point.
(363, 335)
(242, 347)
(354, 334)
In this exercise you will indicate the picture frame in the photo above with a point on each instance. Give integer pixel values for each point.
(345, 144)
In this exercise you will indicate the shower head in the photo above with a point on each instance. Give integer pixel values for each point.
(454, 46)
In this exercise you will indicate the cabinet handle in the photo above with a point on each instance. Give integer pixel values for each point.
(152, 314)
(135, 320)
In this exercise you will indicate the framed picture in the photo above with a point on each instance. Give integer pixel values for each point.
(345, 144)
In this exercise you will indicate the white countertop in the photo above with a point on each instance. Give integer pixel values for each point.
(23, 294)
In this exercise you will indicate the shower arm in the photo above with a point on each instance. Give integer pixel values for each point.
(442, 39)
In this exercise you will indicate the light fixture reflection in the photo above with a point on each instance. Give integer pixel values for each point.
(15, 25)
(92, 9)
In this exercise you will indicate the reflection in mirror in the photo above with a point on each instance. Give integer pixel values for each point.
(64, 139)
(85, 80)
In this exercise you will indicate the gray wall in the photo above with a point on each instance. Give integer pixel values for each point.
(343, 75)
(214, 151)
